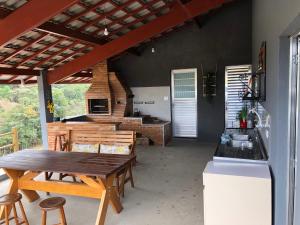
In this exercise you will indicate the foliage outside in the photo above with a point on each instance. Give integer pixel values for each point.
(19, 107)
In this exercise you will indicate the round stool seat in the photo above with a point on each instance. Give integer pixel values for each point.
(10, 199)
(52, 203)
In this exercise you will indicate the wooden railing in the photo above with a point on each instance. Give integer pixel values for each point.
(14, 145)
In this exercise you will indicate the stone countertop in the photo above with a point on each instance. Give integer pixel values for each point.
(257, 153)
(164, 123)
(87, 122)
(84, 119)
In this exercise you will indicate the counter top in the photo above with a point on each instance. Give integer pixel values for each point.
(87, 122)
(85, 119)
(238, 169)
(227, 152)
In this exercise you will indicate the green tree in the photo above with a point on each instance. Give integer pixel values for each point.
(20, 109)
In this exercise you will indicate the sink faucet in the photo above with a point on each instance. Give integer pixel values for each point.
(259, 124)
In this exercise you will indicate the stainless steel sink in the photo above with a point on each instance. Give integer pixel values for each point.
(240, 137)
(241, 141)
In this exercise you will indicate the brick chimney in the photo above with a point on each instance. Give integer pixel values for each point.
(98, 96)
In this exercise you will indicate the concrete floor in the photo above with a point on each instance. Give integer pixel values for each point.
(168, 190)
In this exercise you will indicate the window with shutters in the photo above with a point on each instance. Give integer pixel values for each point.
(234, 85)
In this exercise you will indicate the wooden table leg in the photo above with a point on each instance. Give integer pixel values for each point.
(114, 198)
(13, 187)
(109, 195)
(102, 208)
(31, 195)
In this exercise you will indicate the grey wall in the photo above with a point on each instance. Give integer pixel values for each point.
(224, 40)
(274, 21)
(160, 96)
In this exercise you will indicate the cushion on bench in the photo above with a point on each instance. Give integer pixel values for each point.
(89, 148)
(115, 149)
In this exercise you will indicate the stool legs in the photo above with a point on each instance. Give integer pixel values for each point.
(44, 217)
(15, 214)
(63, 220)
(63, 216)
(23, 213)
(6, 216)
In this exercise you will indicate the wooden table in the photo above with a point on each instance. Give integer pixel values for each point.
(96, 172)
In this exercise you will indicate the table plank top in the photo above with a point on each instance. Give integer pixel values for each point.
(90, 164)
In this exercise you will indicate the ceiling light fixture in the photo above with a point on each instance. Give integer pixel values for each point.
(106, 33)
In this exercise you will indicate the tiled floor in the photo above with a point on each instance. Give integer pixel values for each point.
(168, 190)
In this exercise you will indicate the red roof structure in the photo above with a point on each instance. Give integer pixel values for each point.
(66, 37)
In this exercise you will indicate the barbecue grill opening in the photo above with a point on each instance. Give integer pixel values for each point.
(98, 106)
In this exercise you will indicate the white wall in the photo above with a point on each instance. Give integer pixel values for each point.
(159, 96)
(274, 21)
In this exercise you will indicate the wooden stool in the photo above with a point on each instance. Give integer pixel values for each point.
(62, 142)
(60, 139)
(50, 204)
(9, 201)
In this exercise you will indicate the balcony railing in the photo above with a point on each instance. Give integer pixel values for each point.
(11, 144)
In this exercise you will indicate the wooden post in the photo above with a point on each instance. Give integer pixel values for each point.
(15, 139)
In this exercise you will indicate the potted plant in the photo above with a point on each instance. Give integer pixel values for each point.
(242, 116)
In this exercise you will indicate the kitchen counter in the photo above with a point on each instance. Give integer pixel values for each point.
(238, 193)
(225, 152)
(158, 131)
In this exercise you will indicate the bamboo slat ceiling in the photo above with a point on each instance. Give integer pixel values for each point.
(71, 34)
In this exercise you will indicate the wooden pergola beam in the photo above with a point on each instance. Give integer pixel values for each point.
(16, 82)
(177, 15)
(15, 71)
(29, 16)
(59, 30)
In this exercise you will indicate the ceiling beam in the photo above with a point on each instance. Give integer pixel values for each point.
(28, 79)
(82, 74)
(16, 52)
(12, 79)
(14, 71)
(14, 82)
(177, 15)
(51, 56)
(40, 51)
(29, 16)
(61, 30)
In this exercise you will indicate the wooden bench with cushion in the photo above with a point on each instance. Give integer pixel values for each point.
(106, 142)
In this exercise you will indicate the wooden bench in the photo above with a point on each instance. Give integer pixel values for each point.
(124, 138)
(120, 137)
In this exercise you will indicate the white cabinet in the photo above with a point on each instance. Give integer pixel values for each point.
(237, 194)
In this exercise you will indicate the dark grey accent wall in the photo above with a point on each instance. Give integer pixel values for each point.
(224, 40)
(274, 22)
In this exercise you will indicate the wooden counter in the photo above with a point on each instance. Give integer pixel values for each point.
(159, 133)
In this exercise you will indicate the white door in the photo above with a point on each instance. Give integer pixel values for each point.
(184, 102)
